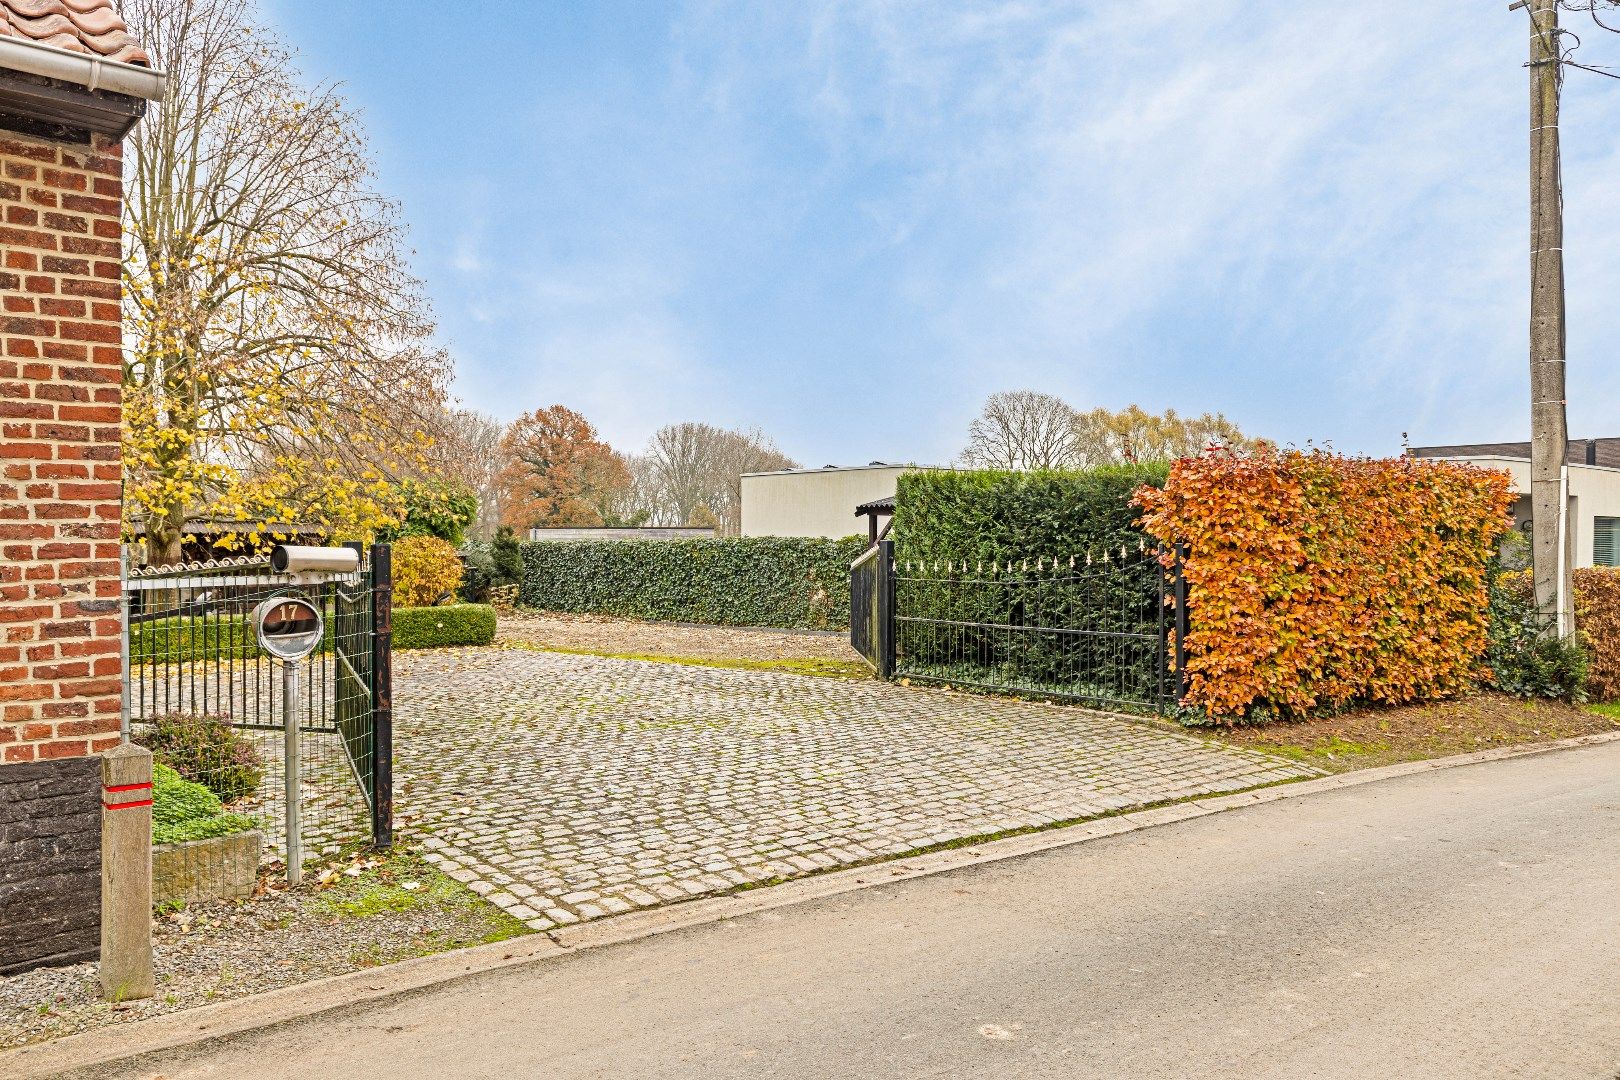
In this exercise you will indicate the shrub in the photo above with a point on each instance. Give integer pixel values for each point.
(988, 515)
(1519, 658)
(506, 557)
(205, 750)
(1317, 580)
(1597, 614)
(183, 810)
(426, 569)
(433, 508)
(449, 624)
(477, 572)
(736, 581)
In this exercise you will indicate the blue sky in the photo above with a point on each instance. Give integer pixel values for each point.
(847, 222)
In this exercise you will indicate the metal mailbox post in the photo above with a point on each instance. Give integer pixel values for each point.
(289, 628)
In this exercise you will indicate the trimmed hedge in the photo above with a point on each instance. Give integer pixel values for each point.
(791, 582)
(181, 640)
(987, 515)
(439, 627)
(1316, 581)
(1597, 614)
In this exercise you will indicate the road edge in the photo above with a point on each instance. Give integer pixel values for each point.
(126, 1042)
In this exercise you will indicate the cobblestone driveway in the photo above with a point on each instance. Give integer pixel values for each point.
(571, 787)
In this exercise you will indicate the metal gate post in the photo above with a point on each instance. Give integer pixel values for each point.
(289, 727)
(886, 609)
(382, 696)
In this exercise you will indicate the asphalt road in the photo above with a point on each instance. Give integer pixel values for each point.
(1459, 923)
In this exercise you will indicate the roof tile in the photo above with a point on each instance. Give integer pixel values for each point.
(83, 26)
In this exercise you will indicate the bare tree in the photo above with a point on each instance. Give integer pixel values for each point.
(280, 363)
(640, 502)
(1131, 435)
(1021, 429)
(469, 456)
(696, 471)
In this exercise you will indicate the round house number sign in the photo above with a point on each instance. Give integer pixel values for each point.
(288, 627)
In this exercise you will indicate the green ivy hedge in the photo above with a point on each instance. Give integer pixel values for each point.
(790, 582)
(988, 514)
(438, 627)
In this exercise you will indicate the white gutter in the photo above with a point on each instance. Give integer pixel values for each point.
(1564, 602)
(82, 69)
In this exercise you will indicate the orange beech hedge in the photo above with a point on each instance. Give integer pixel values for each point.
(1597, 616)
(1316, 580)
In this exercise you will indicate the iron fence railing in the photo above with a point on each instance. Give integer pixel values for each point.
(1096, 629)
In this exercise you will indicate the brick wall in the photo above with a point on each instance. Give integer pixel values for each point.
(60, 371)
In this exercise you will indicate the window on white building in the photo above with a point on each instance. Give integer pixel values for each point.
(1606, 541)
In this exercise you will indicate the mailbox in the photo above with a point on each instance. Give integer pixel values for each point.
(288, 627)
(294, 559)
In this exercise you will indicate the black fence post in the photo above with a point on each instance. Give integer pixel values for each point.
(886, 609)
(1182, 623)
(382, 696)
(1163, 665)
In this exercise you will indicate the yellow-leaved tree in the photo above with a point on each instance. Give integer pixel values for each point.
(279, 358)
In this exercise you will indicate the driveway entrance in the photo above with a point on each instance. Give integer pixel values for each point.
(571, 787)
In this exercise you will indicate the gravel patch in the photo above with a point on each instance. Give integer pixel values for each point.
(389, 909)
(606, 634)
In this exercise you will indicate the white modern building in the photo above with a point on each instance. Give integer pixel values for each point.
(816, 502)
(1593, 507)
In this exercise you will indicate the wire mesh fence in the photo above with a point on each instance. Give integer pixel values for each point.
(203, 696)
(1093, 629)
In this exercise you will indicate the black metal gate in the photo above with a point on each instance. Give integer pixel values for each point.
(193, 667)
(1098, 628)
(871, 607)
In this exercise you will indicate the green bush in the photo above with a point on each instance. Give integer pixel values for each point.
(1522, 660)
(794, 582)
(177, 641)
(477, 573)
(437, 627)
(205, 750)
(506, 557)
(182, 810)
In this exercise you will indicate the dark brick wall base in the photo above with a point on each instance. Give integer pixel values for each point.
(50, 863)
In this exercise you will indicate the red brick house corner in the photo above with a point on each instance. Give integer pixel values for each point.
(72, 84)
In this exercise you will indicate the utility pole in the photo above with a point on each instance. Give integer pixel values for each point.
(1549, 426)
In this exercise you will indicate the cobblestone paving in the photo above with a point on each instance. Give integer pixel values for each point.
(571, 787)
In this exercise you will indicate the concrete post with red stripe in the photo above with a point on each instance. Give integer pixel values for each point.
(126, 873)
